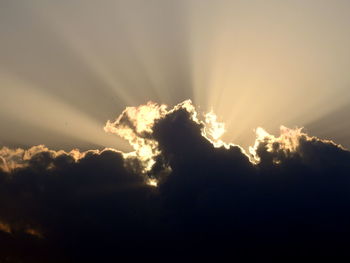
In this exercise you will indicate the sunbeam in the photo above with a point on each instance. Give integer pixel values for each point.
(254, 65)
(28, 104)
(174, 131)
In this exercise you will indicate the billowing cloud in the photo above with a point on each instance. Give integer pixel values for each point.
(181, 194)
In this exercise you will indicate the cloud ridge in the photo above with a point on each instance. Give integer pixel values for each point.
(181, 189)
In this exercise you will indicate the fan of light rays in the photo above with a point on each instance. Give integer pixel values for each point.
(260, 66)
(254, 64)
(28, 104)
(126, 46)
(70, 60)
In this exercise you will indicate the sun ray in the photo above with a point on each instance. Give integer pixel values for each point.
(51, 114)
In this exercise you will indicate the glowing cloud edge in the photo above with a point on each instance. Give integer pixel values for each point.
(135, 124)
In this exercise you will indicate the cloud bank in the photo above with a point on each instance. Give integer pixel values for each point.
(182, 194)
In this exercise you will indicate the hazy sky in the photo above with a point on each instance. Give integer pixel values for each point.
(69, 66)
(66, 67)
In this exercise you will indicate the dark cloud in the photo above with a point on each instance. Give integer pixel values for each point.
(289, 198)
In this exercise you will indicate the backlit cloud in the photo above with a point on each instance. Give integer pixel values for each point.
(181, 192)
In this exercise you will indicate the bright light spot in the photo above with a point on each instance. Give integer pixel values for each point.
(152, 182)
(290, 137)
(135, 125)
(143, 117)
(214, 128)
(288, 141)
(261, 133)
(145, 151)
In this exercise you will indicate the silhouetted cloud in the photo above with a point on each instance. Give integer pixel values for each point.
(212, 199)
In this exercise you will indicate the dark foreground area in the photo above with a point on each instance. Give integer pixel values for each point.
(210, 203)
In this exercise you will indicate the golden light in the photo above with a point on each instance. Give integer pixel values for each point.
(214, 128)
(152, 182)
(45, 111)
(261, 133)
(252, 64)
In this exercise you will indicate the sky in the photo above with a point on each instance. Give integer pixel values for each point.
(66, 67)
(177, 131)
